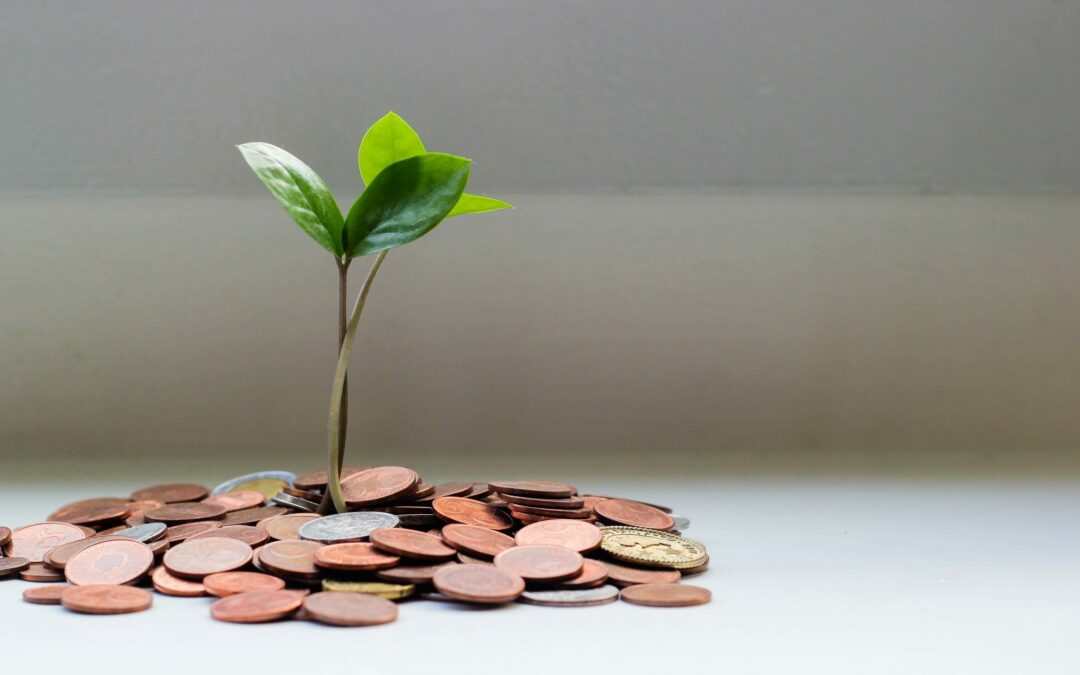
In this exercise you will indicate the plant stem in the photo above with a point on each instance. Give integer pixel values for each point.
(327, 504)
(333, 426)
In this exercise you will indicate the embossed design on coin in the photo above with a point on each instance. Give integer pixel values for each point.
(350, 609)
(170, 493)
(122, 561)
(178, 533)
(231, 583)
(634, 514)
(573, 598)
(378, 485)
(652, 547)
(471, 512)
(344, 527)
(105, 599)
(541, 563)
(411, 544)
(572, 534)
(666, 595)
(479, 583)
(290, 557)
(34, 541)
(197, 558)
(285, 527)
(477, 541)
(236, 500)
(57, 557)
(257, 607)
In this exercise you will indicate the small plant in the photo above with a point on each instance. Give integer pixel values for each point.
(409, 191)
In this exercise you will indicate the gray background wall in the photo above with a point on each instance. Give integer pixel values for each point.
(724, 258)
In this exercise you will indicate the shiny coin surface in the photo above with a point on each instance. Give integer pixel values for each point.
(666, 595)
(378, 485)
(44, 595)
(92, 512)
(34, 541)
(541, 563)
(296, 503)
(316, 480)
(185, 512)
(178, 533)
(545, 502)
(593, 573)
(167, 584)
(171, 492)
(290, 557)
(287, 526)
(197, 558)
(249, 534)
(231, 583)
(633, 514)
(581, 598)
(471, 512)
(651, 548)
(58, 557)
(236, 500)
(252, 516)
(572, 534)
(354, 556)
(117, 562)
(389, 591)
(411, 544)
(13, 565)
(346, 527)
(484, 584)
(532, 512)
(144, 533)
(625, 575)
(103, 599)
(411, 574)
(269, 483)
(66, 512)
(349, 609)
(257, 607)
(477, 541)
(533, 488)
(40, 573)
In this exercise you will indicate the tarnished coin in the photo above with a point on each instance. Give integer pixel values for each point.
(92, 512)
(252, 516)
(167, 584)
(541, 563)
(257, 607)
(666, 595)
(471, 512)
(533, 488)
(290, 557)
(40, 573)
(316, 480)
(197, 558)
(44, 595)
(354, 556)
(349, 609)
(105, 599)
(66, 512)
(118, 562)
(289, 501)
(378, 485)
(479, 583)
(269, 483)
(5, 536)
(623, 575)
(285, 527)
(411, 574)
(144, 533)
(411, 544)
(178, 533)
(345, 527)
(477, 541)
(249, 534)
(185, 512)
(382, 590)
(633, 514)
(231, 583)
(545, 502)
(171, 493)
(58, 557)
(236, 500)
(651, 548)
(571, 534)
(593, 573)
(34, 541)
(580, 598)
(9, 566)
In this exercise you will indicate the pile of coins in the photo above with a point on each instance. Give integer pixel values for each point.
(256, 545)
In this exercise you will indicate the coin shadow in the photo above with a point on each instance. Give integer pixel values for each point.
(448, 605)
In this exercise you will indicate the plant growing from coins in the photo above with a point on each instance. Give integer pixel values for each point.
(408, 192)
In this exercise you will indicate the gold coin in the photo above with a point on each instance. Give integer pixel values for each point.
(268, 487)
(652, 548)
(388, 591)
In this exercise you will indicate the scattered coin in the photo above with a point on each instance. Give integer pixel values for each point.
(411, 574)
(523, 512)
(5, 536)
(34, 541)
(652, 548)
(477, 541)
(471, 512)
(257, 607)
(447, 490)
(316, 480)
(171, 493)
(290, 557)
(411, 544)
(197, 558)
(252, 516)
(378, 485)
(353, 557)
(346, 527)
(104, 599)
(167, 584)
(698, 569)
(289, 501)
(185, 512)
(633, 514)
(422, 491)
(532, 488)
(666, 595)
(236, 500)
(302, 494)
(142, 506)
(383, 590)
(178, 533)
(231, 583)
(541, 563)
(13, 565)
(249, 534)
(467, 559)
(92, 512)
(573, 598)
(479, 583)
(545, 502)
(624, 575)
(58, 557)
(118, 562)
(40, 573)
(144, 533)
(285, 527)
(350, 609)
(681, 522)
(571, 534)
(269, 483)
(593, 573)
(44, 595)
(64, 513)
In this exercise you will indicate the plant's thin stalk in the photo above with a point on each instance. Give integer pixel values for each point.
(327, 504)
(333, 473)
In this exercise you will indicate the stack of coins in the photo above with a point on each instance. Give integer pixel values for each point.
(256, 544)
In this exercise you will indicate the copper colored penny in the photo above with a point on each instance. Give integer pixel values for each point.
(478, 541)
(533, 488)
(44, 595)
(467, 559)
(167, 584)
(5, 535)
(471, 512)
(448, 490)
(541, 563)
(172, 492)
(103, 599)
(34, 541)
(63, 513)
(231, 583)
(178, 533)
(572, 534)
(257, 607)
(316, 480)
(186, 512)
(195, 559)
(634, 514)
(236, 501)
(411, 574)
(666, 595)
(411, 544)
(624, 575)
(40, 573)
(58, 557)
(91, 513)
(252, 516)
(479, 583)
(546, 503)
(518, 511)
(290, 557)
(142, 506)
(285, 527)
(249, 534)
(109, 562)
(593, 574)
(349, 609)
(12, 565)
(378, 485)
(354, 556)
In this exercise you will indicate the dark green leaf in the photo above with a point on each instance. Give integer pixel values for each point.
(477, 204)
(389, 140)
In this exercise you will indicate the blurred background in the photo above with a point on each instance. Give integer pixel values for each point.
(752, 238)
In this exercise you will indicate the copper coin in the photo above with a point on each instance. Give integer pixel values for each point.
(466, 559)
(34, 541)
(421, 491)
(479, 583)
(252, 516)
(571, 534)
(158, 547)
(104, 599)
(634, 514)
(623, 575)
(518, 510)
(172, 492)
(411, 574)
(533, 488)
(354, 556)
(91, 512)
(666, 595)
(541, 563)
(285, 527)
(142, 506)
(44, 595)
(137, 519)
(167, 584)
(316, 480)
(302, 494)
(237, 500)
(88, 531)
(593, 574)
(40, 573)
(479, 491)
(349, 609)
(257, 607)
(195, 559)
(471, 512)
(290, 557)
(109, 562)
(478, 541)
(10, 566)
(5, 535)
(178, 533)
(546, 503)
(378, 485)
(411, 544)
(186, 512)
(696, 570)
(58, 557)
(448, 490)
(111, 530)
(249, 534)
(61, 514)
(231, 583)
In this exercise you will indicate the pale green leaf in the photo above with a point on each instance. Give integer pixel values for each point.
(477, 204)
(389, 140)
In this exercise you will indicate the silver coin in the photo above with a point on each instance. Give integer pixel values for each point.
(583, 598)
(286, 476)
(341, 527)
(287, 500)
(681, 522)
(144, 533)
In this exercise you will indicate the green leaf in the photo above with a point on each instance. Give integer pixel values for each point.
(477, 204)
(300, 190)
(405, 202)
(389, 140)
